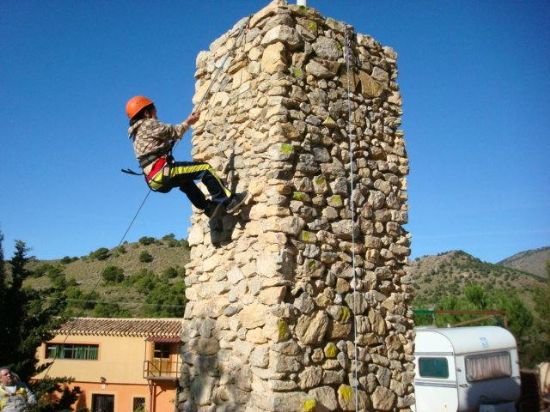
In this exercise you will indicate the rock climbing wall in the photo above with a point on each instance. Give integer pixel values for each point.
(304, 296)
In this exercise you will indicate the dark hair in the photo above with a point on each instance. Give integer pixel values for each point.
(141, 114)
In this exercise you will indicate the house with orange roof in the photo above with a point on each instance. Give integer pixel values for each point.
(119, 364)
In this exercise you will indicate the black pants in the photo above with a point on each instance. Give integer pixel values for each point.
(183, 176)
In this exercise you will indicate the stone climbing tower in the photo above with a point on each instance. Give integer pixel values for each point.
(304, 296)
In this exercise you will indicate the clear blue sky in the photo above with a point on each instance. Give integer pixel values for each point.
(475, 78)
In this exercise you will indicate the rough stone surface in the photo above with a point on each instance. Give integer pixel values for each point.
(274, 298)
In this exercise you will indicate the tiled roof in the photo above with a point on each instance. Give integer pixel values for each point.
(122, 327)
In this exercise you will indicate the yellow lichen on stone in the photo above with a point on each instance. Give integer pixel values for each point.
(287, 148)
(331, 350)
(345, 314)
(346, 392)
(335, 201)
(297, 72)
(320, 180)
(309, 405)
(312, 26)
(308, 237)
(283, 329)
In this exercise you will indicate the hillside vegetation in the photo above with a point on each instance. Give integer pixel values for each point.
(147, 279)
(449, 273)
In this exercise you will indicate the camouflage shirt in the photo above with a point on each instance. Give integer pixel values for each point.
(153, 137)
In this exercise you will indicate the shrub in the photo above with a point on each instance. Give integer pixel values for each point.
(109, 310)
(147, 240)
(145, 257)
(66, 260)
(42, 270)
(100, 254)
(113, 274)
(169, 236)
(144, 280)
(80, 300)
(169, 273)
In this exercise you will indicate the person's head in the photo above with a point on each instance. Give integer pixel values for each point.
(140, 107)
(6, 376)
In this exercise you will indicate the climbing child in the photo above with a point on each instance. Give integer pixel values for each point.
(153, 142)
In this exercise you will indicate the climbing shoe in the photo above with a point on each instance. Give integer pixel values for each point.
(213, 209)
(235, 201)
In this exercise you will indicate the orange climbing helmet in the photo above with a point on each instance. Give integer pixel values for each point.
(136, 104)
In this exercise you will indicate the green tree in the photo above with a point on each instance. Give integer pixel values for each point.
(144, 281)
(520, 318)
(540, 344)
(110, 310)
(113, 274)
(170, 273)
(476, 295)
(28, 316)
(166, 300)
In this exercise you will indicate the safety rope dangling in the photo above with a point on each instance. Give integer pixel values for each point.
(349, 34)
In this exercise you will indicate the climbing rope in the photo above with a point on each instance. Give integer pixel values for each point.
(203, 99)
(348, 57)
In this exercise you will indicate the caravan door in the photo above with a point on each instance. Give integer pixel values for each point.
(435, 382)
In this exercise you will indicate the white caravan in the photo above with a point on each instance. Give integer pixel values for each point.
(466, 369)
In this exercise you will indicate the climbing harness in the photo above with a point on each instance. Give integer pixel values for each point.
(349, 34)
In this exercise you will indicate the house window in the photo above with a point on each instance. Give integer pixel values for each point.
(103, 403)
(138, 405)
(433, 368)
(488, 366)
(162, 350)
(71, 351)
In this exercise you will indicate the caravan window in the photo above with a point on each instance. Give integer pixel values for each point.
(433, 368)
(488, 366)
